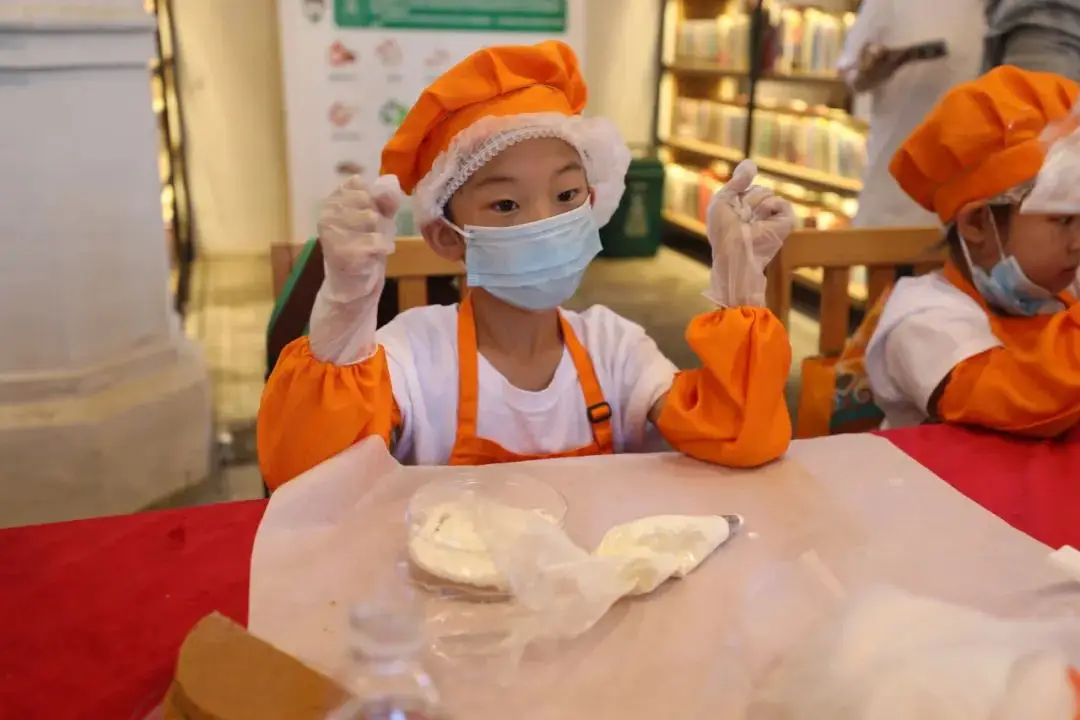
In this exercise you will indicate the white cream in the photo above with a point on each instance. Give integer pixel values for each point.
(646, 552)
(654, 549)
(448, 545)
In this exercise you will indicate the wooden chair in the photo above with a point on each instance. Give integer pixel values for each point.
(411, 264)
(835, 252)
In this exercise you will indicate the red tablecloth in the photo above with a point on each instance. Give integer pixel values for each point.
(1034, 485)
(92, 612)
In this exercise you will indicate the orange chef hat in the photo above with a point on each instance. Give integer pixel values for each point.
(493, 99)
(981, 139)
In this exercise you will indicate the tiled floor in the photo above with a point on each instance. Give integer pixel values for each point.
(231, 302)
(230, 305)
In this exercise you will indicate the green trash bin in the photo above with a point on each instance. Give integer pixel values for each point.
(634, 230)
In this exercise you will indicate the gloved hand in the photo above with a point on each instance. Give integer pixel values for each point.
(746, 225)
(356, 231)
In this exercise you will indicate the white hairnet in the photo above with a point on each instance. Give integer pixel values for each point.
(603, 152)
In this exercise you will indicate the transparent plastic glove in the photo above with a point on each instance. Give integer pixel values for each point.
(747, 224)
(356, 231)
(565, 589)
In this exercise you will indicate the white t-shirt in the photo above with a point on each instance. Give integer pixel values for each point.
(928, 327)
(901, 103)
(422, 353)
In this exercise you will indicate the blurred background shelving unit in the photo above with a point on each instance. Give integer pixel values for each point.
(757, 79)
(175, 198)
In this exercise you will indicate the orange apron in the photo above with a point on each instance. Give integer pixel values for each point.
(469, 449)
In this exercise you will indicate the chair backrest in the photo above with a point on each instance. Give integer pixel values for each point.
(833, 253)
(410, 265)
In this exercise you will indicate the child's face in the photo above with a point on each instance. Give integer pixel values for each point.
(532, 180)
(1046, 246)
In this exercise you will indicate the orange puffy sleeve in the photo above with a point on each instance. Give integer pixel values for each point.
(732, 410)
(1074, 680)
(312, 410)
(1030, 388)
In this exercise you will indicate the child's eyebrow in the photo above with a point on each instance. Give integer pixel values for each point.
(495, 180)
(571, 166)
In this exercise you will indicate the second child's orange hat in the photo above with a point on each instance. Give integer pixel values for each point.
(982, 139)
(494, 98)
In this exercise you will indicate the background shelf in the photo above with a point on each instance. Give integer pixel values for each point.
(809, 278)
(758, 80)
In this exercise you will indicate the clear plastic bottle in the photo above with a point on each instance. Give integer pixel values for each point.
(387, 677)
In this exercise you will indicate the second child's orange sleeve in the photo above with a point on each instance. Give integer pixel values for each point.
(732, 411)
(1033, 390)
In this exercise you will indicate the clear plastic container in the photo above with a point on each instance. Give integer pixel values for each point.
(457, 563)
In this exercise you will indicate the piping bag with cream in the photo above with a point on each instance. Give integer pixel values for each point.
(564, 589)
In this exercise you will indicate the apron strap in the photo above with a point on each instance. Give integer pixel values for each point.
(468, 372)
(596, 407)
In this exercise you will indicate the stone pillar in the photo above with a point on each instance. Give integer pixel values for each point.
(104, 403)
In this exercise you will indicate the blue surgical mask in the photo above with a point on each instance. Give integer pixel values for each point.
(536, 266)
(1008, 288)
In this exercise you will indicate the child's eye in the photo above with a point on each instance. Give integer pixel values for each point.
(504, 206)
(1065, 220)
(568, 195)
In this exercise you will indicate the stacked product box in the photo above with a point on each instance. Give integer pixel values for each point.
(827, 142)
(804, 40)
(722, 41)
(709, 121)
(687, 192)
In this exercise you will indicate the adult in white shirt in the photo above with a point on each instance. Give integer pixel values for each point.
(900, 102)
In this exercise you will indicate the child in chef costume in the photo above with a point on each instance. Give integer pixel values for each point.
(994, 339)
(505, 174)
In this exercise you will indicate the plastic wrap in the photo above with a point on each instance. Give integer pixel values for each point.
(552, 587)
(1057, 187)
(887, 654)
(563, 590)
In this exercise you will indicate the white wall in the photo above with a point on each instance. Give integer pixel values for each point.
(231, 91)
(620, 63)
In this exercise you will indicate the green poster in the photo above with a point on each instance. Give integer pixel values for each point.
(541, 16)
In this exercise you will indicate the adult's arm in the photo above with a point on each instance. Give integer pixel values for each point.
(1039, 35)
(871, 23)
